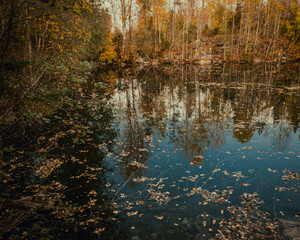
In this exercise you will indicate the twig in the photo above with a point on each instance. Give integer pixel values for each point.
(23, 94)
(33, 83)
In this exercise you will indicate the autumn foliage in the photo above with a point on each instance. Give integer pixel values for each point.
(241, 30)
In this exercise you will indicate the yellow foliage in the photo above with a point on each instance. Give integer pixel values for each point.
(108, 52)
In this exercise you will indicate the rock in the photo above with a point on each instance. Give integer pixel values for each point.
(291, 228)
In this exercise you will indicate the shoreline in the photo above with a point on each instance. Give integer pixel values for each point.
(191, 62)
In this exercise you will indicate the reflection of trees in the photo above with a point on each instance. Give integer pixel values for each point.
(133, 152)
(287, 107)
(293, 109)
(199, 125)
(160, 115)
(77, 184)
(84, 172)
(206, 125)
(109, 78)
(282, 135)
(193, 102)
(243, 113)
(282, 112)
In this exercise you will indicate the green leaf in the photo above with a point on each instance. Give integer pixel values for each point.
(75, 140)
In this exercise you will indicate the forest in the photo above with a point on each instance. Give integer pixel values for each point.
(149, 119)
(252, 30)
(35, 33)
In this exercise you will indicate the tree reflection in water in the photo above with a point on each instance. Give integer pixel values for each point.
(184, 133)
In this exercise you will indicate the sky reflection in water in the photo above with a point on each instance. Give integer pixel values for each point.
(191, 141)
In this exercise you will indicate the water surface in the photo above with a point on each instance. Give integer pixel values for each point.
(193, 141)
(186, 152)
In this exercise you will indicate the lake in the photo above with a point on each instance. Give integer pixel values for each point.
(186, 152)
(194, 141)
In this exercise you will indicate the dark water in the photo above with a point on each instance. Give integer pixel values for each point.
(165, 153)
(191, 141)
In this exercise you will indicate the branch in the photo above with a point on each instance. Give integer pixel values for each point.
(18, 204)
(33, 83)
(24, 94)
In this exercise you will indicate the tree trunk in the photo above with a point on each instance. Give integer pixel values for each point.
(183, 41)
(232, 32)
(8, 32)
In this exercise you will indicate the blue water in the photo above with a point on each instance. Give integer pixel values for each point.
(187, 150)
